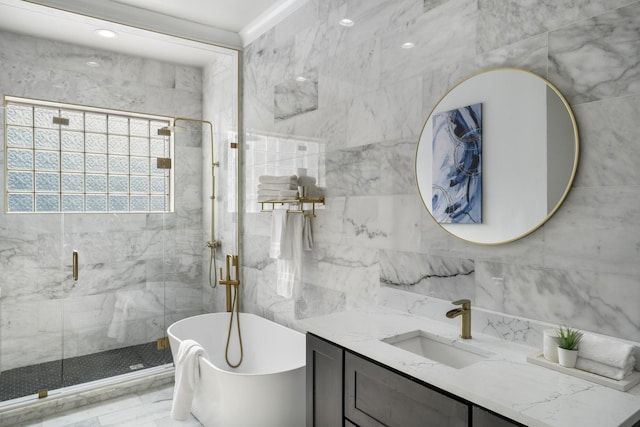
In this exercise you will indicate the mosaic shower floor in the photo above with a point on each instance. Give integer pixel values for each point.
(28, 380)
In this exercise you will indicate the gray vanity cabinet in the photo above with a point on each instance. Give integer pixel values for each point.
(324, 383)
(377, 397)
(347, 390)
(483, 418)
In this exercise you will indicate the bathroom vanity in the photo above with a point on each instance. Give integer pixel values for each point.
(360, 373)
(375, 395)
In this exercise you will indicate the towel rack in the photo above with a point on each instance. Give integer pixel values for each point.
(295, 201)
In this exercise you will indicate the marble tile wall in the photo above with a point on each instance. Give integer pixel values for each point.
(134, 268)
(581, 269)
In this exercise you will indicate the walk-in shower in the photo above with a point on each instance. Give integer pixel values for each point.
(109, 305)
(137, 271)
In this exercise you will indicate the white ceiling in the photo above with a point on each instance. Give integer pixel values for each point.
(147, 27)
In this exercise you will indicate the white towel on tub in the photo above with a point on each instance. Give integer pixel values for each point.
(187, 376)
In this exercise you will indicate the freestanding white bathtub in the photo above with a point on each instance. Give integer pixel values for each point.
(267, 390)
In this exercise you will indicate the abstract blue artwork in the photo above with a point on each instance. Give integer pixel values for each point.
(457, 166)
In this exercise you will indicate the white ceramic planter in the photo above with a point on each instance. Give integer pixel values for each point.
(567, 358)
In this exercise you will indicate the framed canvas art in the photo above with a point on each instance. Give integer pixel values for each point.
(457, 166)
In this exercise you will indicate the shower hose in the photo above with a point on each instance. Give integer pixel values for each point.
(234, 304)
(213, 282)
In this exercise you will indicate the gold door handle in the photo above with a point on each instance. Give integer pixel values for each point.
(75, 266)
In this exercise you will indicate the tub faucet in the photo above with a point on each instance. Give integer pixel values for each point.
(465, 312)
(233, 260)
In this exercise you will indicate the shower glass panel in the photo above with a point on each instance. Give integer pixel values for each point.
(31, 304)
(185, 241)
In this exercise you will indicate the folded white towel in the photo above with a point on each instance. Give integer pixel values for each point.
(606, 351)
(271, 193)
(275, 194)
(278, 187)
(314, 192)
(278, 249)
(291, 197)
(602, 369)
(306, 181)
(269, 179)
(187, 376)
(288, 193)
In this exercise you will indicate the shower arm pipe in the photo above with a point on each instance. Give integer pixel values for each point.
(211, 243)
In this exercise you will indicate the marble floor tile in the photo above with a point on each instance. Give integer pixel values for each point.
(150, 408)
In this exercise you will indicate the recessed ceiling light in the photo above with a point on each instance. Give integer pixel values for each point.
(301, 79)
(408, 45)
(107, 34)
(346, 22)
(92, 64)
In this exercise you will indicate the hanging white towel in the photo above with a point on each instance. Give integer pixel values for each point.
(290, 261)
(187, 376)
(278, 234)
(307, 234)
(286, 278)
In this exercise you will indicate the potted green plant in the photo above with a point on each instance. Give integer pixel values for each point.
(568, 340)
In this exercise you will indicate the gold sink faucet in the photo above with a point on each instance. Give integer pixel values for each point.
(465, 312)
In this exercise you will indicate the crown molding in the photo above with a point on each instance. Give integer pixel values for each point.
(269, 19)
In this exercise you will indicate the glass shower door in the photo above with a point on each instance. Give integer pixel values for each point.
(114, 310)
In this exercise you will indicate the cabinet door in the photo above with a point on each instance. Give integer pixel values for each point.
(324, 383)
(483, 418)
(376, 396)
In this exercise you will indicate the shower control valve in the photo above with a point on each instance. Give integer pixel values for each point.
(214, 244)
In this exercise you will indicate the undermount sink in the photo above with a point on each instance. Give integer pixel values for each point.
(453, 353)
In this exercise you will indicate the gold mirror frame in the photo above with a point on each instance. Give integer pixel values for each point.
(465, 231)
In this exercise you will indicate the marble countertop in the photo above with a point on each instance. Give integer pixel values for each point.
(504, 383)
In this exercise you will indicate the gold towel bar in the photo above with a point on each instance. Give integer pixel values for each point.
(299, 201)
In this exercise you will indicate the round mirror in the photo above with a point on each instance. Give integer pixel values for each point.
(497, 156)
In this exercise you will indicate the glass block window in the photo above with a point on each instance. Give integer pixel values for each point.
(68, 158)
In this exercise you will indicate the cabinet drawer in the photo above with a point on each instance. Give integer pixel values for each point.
(375, 396)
